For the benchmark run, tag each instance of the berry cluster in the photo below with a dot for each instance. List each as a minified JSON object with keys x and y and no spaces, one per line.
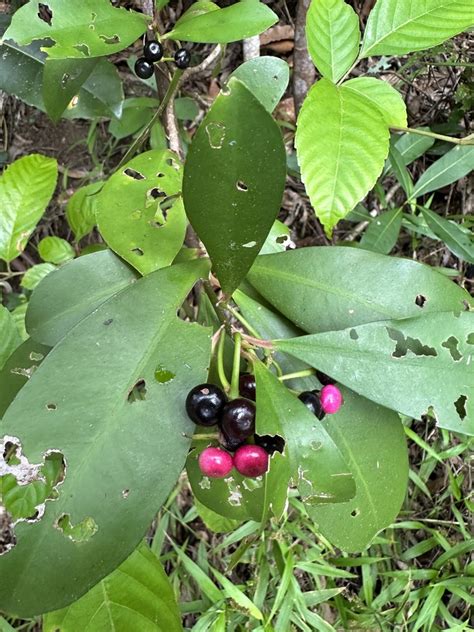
{"x":152,"y":53}
{"x":207,"y":405}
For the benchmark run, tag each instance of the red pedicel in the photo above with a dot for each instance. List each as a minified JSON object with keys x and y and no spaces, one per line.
{"x":331,"y":399}
{"x":215,"y":463}
{"x":251,"y":460}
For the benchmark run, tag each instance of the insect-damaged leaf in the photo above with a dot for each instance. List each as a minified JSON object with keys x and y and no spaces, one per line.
{"x":233,"y":181}
{"x":122,"y":453}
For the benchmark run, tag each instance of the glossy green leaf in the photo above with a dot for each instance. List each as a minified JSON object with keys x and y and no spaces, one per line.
{"x":460,"y":242}
{"x":214,"y":521}
{"x":372,"y":441}
{"x":382,"y":96}
{"x":342,"y":141}
{"x":62,"y":80}
{"x":140,"y":213}
{"x":74,"y":291}
{"x":397,"y":28}
{"x":136,"y":596}
{"x":412,"y":146}
{"x":26,"y":188}
{"x":18,"y":315}
{"x":18,"y":369}
{"x":333,"y":35}
{"x":267,"y":79}
{"x":35,"y":274}
{"x":94,"y":29}
{"x":278,"y":239}
{"x":329,"y":288}
{"x":80,"y":210}
{"x":382,"y":233}
{"x":201,"y":7}
{"x":239,"y":21}
{"x":234,"y":178}
{"x":137,"y":113}
{"x":122,"y":455}
{"x":413,"y":366}
{"x":55,"y":250}
{"x":455,"y":164}
{"x":9,"y":336}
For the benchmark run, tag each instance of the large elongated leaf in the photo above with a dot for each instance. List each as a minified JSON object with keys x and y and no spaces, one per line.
{"x":25,"y":190}
{"x":398,"y":27}
{"x":137,"y":596}
{"x":460,"y":243}
{"x":412,"y":366}
{"x":122,"y":453}
{"x":324,"y":289}
{"x":332,"y":31}
{"x":382,"y":96}
{"x":342,"y":142}
{"x":62,"y":79}
{"x":372,"y":440}
{"x":233,"y":181}
{"x":240,"y":20}
{"x":266,"y":77}
{"x":64,"y":298}
{"x":382,"y":233}
{"x":140,"y":213}
{"x":9,"y":336}
{"x":94,"y":29}
{"x":455,"y":164}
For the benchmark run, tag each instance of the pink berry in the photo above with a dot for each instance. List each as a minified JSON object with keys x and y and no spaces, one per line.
{"x":215,"y":462}
{"x":251,"y":460}
{"x":331,"y":399}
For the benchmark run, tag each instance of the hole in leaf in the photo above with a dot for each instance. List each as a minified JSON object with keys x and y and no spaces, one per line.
{"x":131,"y":173}
{"x":225,"y":90}
{"x":460,"y":405}
{"x":138,"y":392}
{"x":216,"y":134}
{"x":114,"y":39}
{"x":155,"y":193}
{"x":355,"y":513}
{"x":241,"y":186}
{"x":125,"y":493}
{"x":45,"y":13}
{"x":163,"y":375}
{"x":82,"y":532}
{"x":83,"y":48}
{"x":172,"y":163}
{"x":7,"y":536}
{"x":281,"y":239}
{"x":250,"y":244}
{"x":65,"y":79}
{"x":470,"y":339}
{"x":51,"y":407}
{"x":108,"y":322}
{"x":316,"y":445}
{"x":93,"y":16}
{"x":408,"y":344}
{"x":353,"y":334}
{"x":160,"y":175}
{"x":420,"y":300}
{"x":36,"y":357}
{"x":452,"y":345}
{"x":138,"y":251}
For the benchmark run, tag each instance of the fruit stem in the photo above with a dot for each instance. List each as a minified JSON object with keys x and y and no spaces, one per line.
{"x":234,"y":387}
{"x":205,"y":437}
{"x":294,"y":376}
{"x":243,"y":321}
{"x":220,"y":363}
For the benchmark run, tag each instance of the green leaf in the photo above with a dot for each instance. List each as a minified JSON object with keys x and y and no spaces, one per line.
{"x":267,"y":79}
{"x":122,"y":456}
{"x":26,"y":188}
{"x":382,"y":233}
{"x":234,"y":178}
{"x":413,"y":366}
{"x":73,"y":292}
{"x":137,"y":113}
{"x":80,"y":210}
{"x":62,"y":80}
{"x":136,"y":596}
{"x":397,"y":28}
{"x":140,"y":213}
{"x":94,"y":29}
{"x":455,"y":164}
{"x":9,"y":336}
{"x":55,"y":250}
{"x":332,"y":31}
{"x":237,"y":596}
{"x":201,"y":7}
{"x":372,"y":441}
{"x":35,"y":274}
{"x":383,"y":96}
{"x":278,"y":239}
{"x":329,"y":288}
{"x":239,"y":21}
{"x":457,"y":240}
{"x":412,"y":146}
{"x":397,"y":163}
{"x":342,"y":141}
{"x":214,"y":521}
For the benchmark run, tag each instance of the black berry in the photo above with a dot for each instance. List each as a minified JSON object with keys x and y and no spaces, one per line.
{"x":312,"y":402}
{"x":324,"y":379}
{"x":182,"y":58}
{"x":205,"y":403}
{"x":143,"y":68}
{"x":238,"y":419}
{"x":153,"y":51}
{"x":270,"y":444}
{"x":247,"y":386}
{"x":230,"y":444}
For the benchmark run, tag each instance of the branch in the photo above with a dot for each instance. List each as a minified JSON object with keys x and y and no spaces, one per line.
{"x":304,"y":72}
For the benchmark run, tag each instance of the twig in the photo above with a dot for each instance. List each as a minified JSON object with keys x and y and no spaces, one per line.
{"x":467,"y":140}
{"x":304,"y":72}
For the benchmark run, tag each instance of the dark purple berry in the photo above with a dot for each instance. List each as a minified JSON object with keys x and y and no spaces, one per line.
{"x":153,"y":51}
{"x":143,"y":68}
{"x":324,"y":379}
{"x":270,"y":444}
{"x":182,"y":58}
{"x":229,"y":444}
{"x":312,"y":402}
{"x":238,"y":419}
{"x":247,"y":386}
{"x":205,"y":403}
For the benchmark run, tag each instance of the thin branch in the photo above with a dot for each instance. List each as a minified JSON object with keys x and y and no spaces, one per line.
{"x":304,"y":72}
{"x":467,"y":140}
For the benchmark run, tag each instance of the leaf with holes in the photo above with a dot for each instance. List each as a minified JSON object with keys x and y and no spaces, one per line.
{"x":123,"y":453}
{"x":55,"y":250}
{"x":73,"y":292}
{"x":140,"y":213}
{"x":455,"y":164}
{"x":332,"y":31}
{"x":267,"y":79}
{"x":234,"y":178}
{"x":26,"y":188}
{"x":397,"y":28}
{"x":414,"y":366}
{"x":342,"y":142}
{"x":382,"y":96}
{"x":80,"y":210}
{"x":9,"y":336}
{"x":382,"y":233}
{"x":309,"y":286}
{"x":239,"y":21}
{"x":94,"y":29}
{"x":62,"y":80}
{"x":137,"y":596}
{"x":372,"y":441}
{"x":459,"y":241}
